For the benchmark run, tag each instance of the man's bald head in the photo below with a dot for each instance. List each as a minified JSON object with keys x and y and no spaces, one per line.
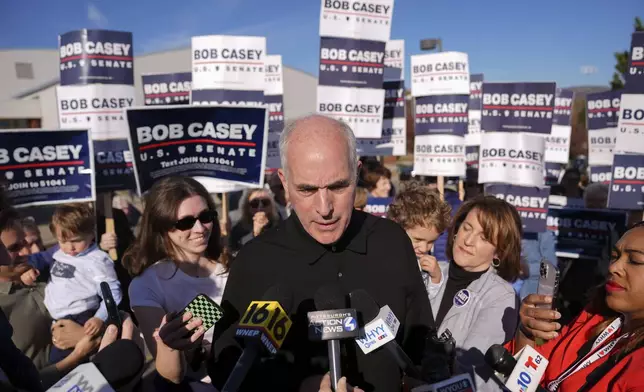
{"x":310,"y":131}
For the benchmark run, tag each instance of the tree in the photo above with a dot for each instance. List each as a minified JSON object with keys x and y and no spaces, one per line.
{"x":622,"y":62}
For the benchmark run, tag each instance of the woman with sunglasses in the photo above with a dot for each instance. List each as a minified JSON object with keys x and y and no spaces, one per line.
{"x":258,"y":214}
{"x":177,"y":255}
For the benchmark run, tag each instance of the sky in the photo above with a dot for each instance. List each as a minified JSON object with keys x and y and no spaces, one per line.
{"x":570,"y":42}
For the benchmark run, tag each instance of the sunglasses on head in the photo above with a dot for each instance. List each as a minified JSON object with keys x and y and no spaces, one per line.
{"x":17,"y":247}
{"x":259,"y":202}
{"x":188,"y":222}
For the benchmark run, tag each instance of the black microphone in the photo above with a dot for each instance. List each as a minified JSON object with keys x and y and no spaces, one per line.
{"x":263,"y":328}
{"x":380,"y":330}
{"x":332,"y":322}
{"x":520,"y":373}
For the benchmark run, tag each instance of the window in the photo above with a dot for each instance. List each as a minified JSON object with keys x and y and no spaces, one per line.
{"x":24,"y":71}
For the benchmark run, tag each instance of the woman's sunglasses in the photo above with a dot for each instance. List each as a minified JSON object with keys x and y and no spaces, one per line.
{"x":188,"y":222}
{"x":259,"y":202}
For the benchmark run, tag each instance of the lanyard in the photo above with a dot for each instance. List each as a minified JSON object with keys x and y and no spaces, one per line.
{"x":594,"y":355}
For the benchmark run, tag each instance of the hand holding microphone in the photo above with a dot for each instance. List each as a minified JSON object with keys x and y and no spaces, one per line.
{"x":521,"y":373}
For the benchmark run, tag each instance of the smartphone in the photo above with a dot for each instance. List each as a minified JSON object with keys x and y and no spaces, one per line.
{"x":206,"y":309}
{"x":548,"y":281}
{"x":113,"y":315}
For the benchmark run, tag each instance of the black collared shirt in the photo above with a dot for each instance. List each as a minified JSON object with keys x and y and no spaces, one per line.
{"x":374,"y":254}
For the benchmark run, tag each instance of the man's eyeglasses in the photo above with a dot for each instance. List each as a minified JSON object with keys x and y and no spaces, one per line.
{"x":17,"y":247}
{"x":188,"y":222}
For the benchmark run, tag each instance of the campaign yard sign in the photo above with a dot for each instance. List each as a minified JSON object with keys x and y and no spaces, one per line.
{"x":558,"y":144}
{"x":530,"y":202}
{"x":378,"y":206}
{"x":440,"y":73}
{"x":563,"y":107}
{"x":602,"y":109}
{"x":167,"y":89}
{"x":630,"y":127}
{"x":627,"y":184}
{"x":393,"y":141}
{"x":601,"y":174}
{"x":96,"y":56}
{"x":473,"y":135}
{"x":472,"y":157}
{"x":274,"y":75}
{"x":476,"y":91}
{"x":221,"y":142}
{"x":518,"y":107}
{"x":442,"y":115}
{"x":584,"y":230}
{"x":601,"y":143}
{"x":635,"y":75}
{"x":223,"y":62}
{"x":512,"y":158}
{"x":362,"y":109}
{"x":439,"y":155}
{"x":97,"y":107}
{"x":553,"y":171}
{"x":395,"y":60}
{"x":227,"y":97}
{"x":113,"y":165}
{"x":351,"y":63}
{"x":356,"y":19}
{"x":47,"y":166}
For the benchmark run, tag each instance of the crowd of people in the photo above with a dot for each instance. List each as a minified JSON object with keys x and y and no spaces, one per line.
{"x":440,"y":263}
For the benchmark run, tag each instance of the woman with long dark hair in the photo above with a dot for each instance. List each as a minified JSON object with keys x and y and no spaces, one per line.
{"x":601,"y":350}
{"x":177,"y":255}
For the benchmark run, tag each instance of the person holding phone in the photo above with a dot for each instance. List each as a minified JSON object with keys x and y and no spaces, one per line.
{"x":177,"y":256}
{"x":601,"y":349}
{"x":474,"y":298}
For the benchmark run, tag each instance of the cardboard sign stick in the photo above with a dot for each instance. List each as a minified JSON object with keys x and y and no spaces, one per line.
{"x":109,"y":219}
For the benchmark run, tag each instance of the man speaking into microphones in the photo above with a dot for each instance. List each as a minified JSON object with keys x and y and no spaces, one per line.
{"x":324,"y":241}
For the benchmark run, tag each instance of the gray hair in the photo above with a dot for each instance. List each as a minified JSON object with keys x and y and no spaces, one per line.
{"x":291,"y":126}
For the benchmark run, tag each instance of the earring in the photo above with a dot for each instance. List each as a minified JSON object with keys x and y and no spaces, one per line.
{"x":496,"y":263}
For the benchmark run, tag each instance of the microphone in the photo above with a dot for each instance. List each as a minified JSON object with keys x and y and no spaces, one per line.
{"x":521,"y":373}
{"x":460,"y":383}
{"x":380,"y":330}
{"x":332,"y":322}
{"x":118,"y":367}
{"x":263,"y":328}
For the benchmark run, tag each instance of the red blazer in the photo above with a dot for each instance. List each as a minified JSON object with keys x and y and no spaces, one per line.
{"x":627,"y":375}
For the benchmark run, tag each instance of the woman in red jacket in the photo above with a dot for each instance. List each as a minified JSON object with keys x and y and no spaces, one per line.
{"x":602,"y":349}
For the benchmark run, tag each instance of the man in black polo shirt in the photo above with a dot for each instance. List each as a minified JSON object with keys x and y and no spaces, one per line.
{"x":324,"y":241}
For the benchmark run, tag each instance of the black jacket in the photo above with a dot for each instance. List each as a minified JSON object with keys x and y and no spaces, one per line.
{"x":374,"y":254}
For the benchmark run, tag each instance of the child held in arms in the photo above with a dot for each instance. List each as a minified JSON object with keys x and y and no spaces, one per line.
{"x":73,"y":290}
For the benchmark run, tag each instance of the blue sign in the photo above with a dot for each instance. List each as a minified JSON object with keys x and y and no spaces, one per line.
{"x":167,"y":89}
{"x":227,"y":97}
{"x":96,"y":56}
{"x":351,"y":63}
{"x":518,"y":107}
{"x":585,"y":230}
{"x":635,"y":74}
{"x":530,"y":202}
{"x":113,"y":166}
{"x":472,"y":157}
{"x":627,"y":185}
{"x":275,"y":105}
{"x":46,"y":167}
{"x":600,"y":174}
{"x":553,"y":172}
{"x":394,"y":99}
{"x":563,"y":107}
{"x":226,"y":143}
{"x":602,"y":109}
{"x":442,"y":115}
{"x":476,"y":91}
{"x":378,"y":206}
